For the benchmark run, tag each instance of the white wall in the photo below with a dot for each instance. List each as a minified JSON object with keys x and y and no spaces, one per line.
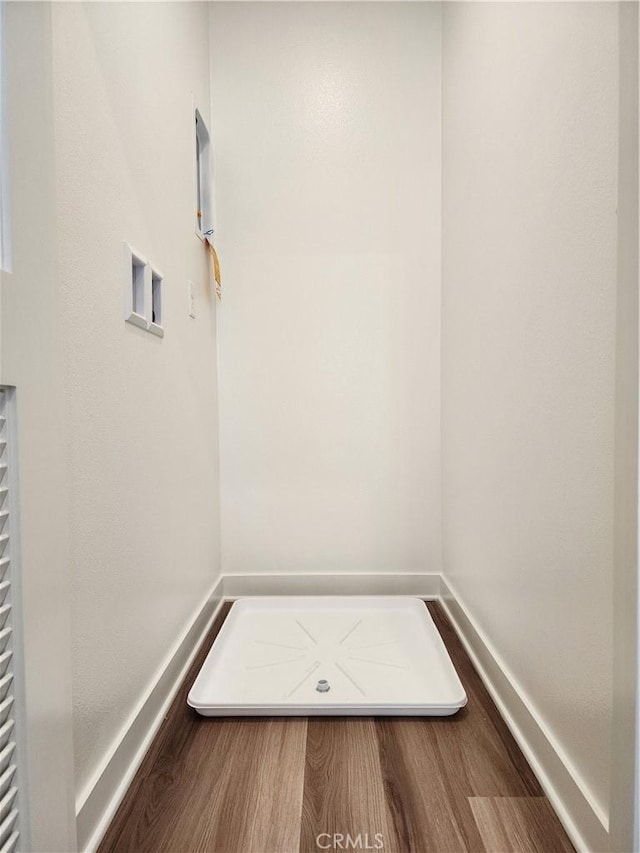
{"x":529,"y":294}
{"x":32,"y":360}
{"x":326,"y":129}
{"x":141,"y":411}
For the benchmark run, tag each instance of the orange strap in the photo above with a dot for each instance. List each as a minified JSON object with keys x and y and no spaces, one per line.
{"x":215,"y":265}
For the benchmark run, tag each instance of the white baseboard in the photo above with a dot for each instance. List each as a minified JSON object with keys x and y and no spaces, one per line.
{"x":97,"y":805}
{"x":421,"y":585}
{"x":580,"y":815}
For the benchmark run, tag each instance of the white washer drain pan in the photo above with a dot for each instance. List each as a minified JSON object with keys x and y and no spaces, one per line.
{"x":376,"y":655}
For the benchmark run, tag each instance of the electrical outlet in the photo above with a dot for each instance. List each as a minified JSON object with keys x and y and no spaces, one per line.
{"x":192,"y":300}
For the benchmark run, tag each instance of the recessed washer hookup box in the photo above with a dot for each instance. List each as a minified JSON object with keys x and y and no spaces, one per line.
{"x":328,"y":655}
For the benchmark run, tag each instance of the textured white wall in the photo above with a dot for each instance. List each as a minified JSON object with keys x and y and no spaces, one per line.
{"x":529,"y":274}
{"x":141,"y":411}
{"x":326,"y":128}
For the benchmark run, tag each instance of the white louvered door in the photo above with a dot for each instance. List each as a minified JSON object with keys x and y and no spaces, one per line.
{"x":12,"y":748}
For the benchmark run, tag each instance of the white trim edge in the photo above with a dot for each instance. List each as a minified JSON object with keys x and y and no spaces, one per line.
{"x":421,"y":585}
{"x":579,"y":814}
{"x":98,"y":803}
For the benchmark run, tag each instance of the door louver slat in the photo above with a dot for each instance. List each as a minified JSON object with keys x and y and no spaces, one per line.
{"x":7,"y":802}
{"x":6,"y":780}
{"x":8,"y":825}
{"x":5,"y":732}
{"x":11,"y":844}
{"x":5,"y":685}
{"x":5,"y":636}
{"x":5,"y":660}
{"x":6,"y":755}
{"x":5,"y":709}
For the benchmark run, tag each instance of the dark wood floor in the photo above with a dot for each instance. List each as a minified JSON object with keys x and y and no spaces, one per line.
{"x":286,"y":784}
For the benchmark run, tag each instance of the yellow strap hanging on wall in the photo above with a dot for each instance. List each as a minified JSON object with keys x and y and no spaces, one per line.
{"x":215,"y":267}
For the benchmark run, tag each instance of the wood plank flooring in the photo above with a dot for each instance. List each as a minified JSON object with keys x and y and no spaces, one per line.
{"x":400,"y":785}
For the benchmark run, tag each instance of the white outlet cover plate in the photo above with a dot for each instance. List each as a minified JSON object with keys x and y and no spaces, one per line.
{"x":381,"y":655}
